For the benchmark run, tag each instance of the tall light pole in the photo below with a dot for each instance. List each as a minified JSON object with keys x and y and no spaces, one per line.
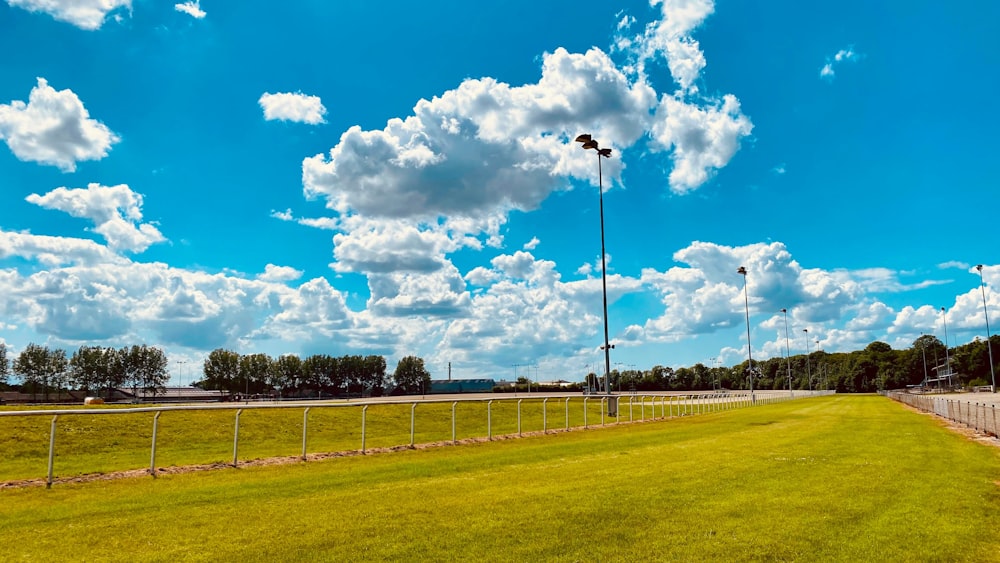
{"x":947,"y":356}
{"x":788,"y":352}
{"x":180,"y":376}
{"x":590,"y":143}
{"x":808,"y":351}
{"x":989,"y":348}
{"x":746,"y":303}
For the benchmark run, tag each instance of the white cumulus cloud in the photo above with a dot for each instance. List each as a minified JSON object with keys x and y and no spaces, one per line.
{"x":298,"y":107}
{"x":192,"y":9}
{"x":85,"y":14}
{"x":116,"y":212}
{"x":54,"y":128}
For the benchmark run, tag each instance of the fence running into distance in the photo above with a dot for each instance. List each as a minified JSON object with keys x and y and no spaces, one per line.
{"x":629,"y":408}
{"x":981,"y":417}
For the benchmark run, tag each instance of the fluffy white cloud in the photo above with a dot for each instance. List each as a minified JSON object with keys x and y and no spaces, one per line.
{"x":485,"y":146}
{"x":116,"y":212}
{"x":440,"y":294}
{"x":54,"y":251}
{"x":53,"y":128}
{"x":844,"y":55}
{"x":274,"y":273}
{"x":286,"y":106}
{"x":192,"y":9}
{"x":85,"y":14}
{"x":703,"y":138}
{"x":670,"y":37}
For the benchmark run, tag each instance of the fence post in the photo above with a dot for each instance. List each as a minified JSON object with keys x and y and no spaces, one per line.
{"x":364,"y":419}
{"x":585,"y":400}
{"x":305,"y":429}
{"x":152,"y":454}
{"x":630,"y":418}
{"x":567,"y":413}
{"x":489,"y":419}
{"x":603,"y":401}
{"x":413,"y":421}
{"x":236,"y":436}
{"x":453,"y":435}
{"x":52,"y":450}
{"x":519,"y":416}
{"x":545,"y":415}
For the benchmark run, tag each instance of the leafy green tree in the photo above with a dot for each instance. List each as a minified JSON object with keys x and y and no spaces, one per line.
{"x":411,"y":377}
{"x":153,"y":376}
{"x":88,"y":368}
{"x":286,"y":373}
{"x":254,"y":372}
{"x":373,"y":375}
{"x":40,"y":367}
{"x":4,"y":366}
{"x":222,"y":370}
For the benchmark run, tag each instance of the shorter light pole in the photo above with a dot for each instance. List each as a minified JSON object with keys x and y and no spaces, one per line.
{"x":808,"y":351}
{"x":989,"y":347}
{"x":788,"y":352}
{"x":746,"y":301}
{"x":923,"y":352}
{"x":947,"y":355}
{"x":713,"y":373}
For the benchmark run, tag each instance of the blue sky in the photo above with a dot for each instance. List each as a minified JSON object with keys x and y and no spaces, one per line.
{"x":401,"y":178}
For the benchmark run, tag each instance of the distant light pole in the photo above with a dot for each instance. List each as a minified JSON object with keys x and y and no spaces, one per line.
{"x":989,"y":347}
{"x":808,"y":351}
{"x":788,"y":352}
{"x":923,"y":352}
{"x":180,"y":375}
{"x":590,"y":143}
{"x":713,"y":373}
{"x":746,"y":303}
{"x":947,"y":356}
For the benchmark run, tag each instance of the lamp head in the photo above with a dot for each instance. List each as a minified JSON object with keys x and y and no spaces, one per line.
{"x":979,"y":267}
{"x":590,"y":144}
{"x":784,"y":310}
{"x":742,"y":270}
{"x":583,"y":138}
{"x":604,"y":152}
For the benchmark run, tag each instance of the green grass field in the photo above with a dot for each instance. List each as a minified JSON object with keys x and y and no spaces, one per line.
{"x":842,"y":478}
{"x":89,"y":444}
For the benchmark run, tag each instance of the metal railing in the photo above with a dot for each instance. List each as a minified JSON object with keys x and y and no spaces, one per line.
{"x":669,"y":406}
{"x":981,"y":417}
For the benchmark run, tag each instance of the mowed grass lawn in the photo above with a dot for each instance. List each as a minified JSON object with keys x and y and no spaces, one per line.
{"x":840,"y":478}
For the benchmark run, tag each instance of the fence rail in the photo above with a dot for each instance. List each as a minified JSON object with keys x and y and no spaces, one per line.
{"x":981,"y":417}
{"x":635,"y":407}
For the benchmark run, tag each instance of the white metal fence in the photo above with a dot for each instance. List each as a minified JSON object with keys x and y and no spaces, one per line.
{"x":980,"y":416}
{"x":613,"y":409}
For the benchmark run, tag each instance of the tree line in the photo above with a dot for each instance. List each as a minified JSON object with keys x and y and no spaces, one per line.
{"x":91,"y":369}
{"x":318,"y":375}
{"x":98,"y":370}
{"x":875,"y":368}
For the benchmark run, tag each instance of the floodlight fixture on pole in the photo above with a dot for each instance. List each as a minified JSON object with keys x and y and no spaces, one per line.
{"x":947,"y":355}
{"x":808,"y":351}
{"x":788,"y":353}
{"x":746,"y":302}
{"x":590,"y":143}
{"x":989,"y":347}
